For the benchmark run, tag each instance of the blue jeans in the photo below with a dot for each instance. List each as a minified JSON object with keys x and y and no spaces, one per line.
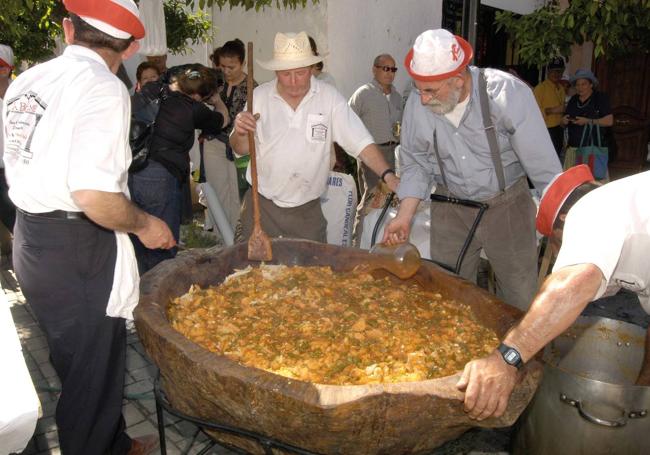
{"x":156,"y":191}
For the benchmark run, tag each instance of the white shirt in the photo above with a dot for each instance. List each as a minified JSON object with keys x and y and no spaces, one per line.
{"x":66,"y":129}
{"x":610,"y":228}
{"x":293,"y":147}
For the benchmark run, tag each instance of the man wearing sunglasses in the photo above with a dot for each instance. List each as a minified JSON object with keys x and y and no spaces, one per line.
{"x":379,"y":106}
{"x":473,"y":134}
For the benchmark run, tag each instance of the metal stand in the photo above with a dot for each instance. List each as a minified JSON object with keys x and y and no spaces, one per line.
{"x":482,"y":207}
{"x":267,"y":444}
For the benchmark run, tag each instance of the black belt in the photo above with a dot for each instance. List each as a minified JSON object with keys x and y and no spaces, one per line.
{"x":56,"y":215}
{"x":390,"y":143}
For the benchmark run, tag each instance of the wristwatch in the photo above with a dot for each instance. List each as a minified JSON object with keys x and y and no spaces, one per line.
{"x":511,"y":356}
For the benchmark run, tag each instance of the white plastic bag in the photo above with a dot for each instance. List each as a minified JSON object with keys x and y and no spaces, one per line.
{"x":339,"y":207}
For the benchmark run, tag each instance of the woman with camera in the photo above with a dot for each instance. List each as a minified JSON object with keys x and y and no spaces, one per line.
{"x":157,"y":189}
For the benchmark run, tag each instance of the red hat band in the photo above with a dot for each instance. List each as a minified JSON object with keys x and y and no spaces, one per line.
{"x":557,"y":193}
{"x":109,"y":12}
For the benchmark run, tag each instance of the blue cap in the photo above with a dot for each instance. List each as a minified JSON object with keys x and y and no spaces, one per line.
{"x":584,"y":74}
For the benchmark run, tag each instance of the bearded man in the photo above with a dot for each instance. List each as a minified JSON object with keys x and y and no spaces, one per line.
{"x":474,"y":134}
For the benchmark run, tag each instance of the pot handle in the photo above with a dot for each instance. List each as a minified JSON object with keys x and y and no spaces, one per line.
{"x":597,"y":420}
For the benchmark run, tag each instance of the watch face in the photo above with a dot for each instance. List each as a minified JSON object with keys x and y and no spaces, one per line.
{"x":511,"y":356}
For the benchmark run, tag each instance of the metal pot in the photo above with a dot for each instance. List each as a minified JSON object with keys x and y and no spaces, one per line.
{"x":587,"y":402}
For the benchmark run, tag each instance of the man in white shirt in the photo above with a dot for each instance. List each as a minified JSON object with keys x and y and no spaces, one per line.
{"x":297,"y":119}
{"x":605,"y":243}
{"x":66,"y":149}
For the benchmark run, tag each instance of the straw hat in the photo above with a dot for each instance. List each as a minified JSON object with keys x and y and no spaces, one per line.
{"x":290,"y":51}
{"x":117,"y":18}
{"x":557,"y":192}
{"x":437,"y":55}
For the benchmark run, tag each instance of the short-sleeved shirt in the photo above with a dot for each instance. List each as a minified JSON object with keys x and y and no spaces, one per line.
{"x":610,"y":228}
{"x":67,"y":125}
{"x":549,"y":95}
{"x":523,"y":141}
{"x":67,"y":129}
{"x":293,"y":147}
{"x":596,"y":106}
{"x":377,"y":110}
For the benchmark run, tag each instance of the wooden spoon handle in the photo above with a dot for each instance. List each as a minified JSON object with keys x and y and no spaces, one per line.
{"x":251,"y":141}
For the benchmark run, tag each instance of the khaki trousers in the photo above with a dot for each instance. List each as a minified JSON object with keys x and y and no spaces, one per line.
{"x":506,"y":234}
{"x":221,"y":174}
{"x":303,"y":222}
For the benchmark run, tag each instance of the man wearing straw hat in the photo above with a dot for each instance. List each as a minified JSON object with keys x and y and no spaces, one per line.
{"x":67,"y":155}
{"x":474,"y":134}
{"x":587,"y":267}
{"x":297,"y":119}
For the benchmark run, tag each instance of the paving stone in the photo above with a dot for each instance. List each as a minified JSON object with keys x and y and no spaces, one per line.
{"x":47,"y":441}
{"x":41,"y":355}
{"x":132,"y":414}
{"x":143,"y":428}
{"x":138,"y":388}
{"x":35,"y":343}
{"x":186,"y":428}
{"x":45,"y":425}
{"x":47,"y":369}
{"x":134,"y":360}
{"x":148,"y":372}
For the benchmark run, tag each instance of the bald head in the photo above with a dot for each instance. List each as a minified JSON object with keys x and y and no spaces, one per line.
{"x":383,"y":69}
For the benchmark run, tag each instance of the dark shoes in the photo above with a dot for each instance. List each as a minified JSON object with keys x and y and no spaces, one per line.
{"x":144,"y":445}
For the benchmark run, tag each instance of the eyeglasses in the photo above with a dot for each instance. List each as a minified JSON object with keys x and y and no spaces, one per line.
{"x":385,"y":69}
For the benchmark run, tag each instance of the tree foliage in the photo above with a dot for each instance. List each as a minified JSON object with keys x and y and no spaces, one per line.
{"x":615,"y":27}
{"x":183,"y":27}
{"x":30,"y":27}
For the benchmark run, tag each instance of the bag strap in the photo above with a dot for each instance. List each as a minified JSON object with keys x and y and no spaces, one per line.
{"x":598,"y":139}
{"x":586,"y":133}
{"x":490,"y":130}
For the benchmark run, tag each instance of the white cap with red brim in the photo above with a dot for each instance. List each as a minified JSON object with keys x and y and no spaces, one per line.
{"x":117,"y":18}
{"x":437,"y":55}
{"x":557,"y":193}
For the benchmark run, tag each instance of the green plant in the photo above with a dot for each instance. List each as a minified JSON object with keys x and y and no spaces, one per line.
{"x":615,"y":27}
{"x":184,"y":27}
{"x":30,"y":27}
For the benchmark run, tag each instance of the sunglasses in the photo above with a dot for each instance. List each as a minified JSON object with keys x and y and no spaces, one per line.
{"x":385,"y":69}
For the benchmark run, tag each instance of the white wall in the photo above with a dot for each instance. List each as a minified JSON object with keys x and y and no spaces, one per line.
{"x":350,"y":32}
{"x":261,"y":27}
{"x":359,"y":30}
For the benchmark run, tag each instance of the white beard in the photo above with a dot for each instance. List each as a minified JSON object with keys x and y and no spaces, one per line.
{"x":445,"y":107}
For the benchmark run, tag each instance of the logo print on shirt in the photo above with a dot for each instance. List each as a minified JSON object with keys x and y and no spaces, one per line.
{"x":23,"y":114}
{"x":319,"y":132}
{"x":455,"y":52}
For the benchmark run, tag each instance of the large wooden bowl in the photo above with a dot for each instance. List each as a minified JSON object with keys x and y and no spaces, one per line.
{"x":401,"y":418}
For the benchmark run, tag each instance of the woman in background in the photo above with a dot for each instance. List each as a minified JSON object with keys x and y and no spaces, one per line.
{"x":157,"y":189}
{"x":587,"y":107}
{"x":220,"y":163}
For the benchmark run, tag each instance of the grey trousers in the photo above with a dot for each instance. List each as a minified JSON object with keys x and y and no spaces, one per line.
{"x":367,"y":181}
{"x":506,"y":234}
{"x":303,"y":222}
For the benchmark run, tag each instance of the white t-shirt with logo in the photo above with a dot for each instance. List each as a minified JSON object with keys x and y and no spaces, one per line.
{"x":293,"y":147}
{"x":610,"y":228}
{"x":66,"y":129}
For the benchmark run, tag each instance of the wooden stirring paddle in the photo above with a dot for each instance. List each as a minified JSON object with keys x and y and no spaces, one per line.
{"x":259,"y":244}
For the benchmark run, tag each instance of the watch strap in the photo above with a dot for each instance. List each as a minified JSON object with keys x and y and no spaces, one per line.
{"x":511,"y":356}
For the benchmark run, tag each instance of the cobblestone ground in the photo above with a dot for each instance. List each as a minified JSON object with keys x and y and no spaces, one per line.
{"x":183,"y":437}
